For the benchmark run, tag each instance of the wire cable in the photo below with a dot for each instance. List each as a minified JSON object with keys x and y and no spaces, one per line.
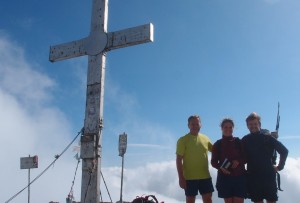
{"x":101,"y":200}
{"x":87,"y":187}
{"x":106,"y":187}
{"x":71,"y":190}
{"x":56,"y":158}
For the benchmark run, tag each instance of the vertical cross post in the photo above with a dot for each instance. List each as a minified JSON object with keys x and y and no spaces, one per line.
{"x":93,"y":123}
{"x":95,"y":46}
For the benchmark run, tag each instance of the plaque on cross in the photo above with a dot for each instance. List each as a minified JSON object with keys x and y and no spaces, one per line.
{"x":95,"y":47}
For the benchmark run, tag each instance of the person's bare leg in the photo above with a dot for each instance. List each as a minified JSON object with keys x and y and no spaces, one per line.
{"x":206,"y":198}
{"x":238,"y":200}
{"x":190,"y":199}
{"x":228,"y":200}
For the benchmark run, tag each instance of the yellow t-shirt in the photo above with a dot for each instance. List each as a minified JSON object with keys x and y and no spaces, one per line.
{"x":194,"y":150}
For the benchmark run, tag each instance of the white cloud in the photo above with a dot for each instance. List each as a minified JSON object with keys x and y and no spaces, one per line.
{"x":160,"y":179}
{"x":18,"y":78}
{"x":124,"y":103}
{"x":292,"y":137}
{"x":29,"y":126}
{"x":147,"y":141}
{"x":290,"y":181}
{"x":146,"y":145}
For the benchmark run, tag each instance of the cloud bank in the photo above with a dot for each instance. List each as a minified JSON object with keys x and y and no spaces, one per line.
{"x":29,"y":125}
{"x":161,"y":180}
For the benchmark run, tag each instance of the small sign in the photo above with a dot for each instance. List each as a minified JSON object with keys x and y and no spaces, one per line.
{"x":122,"y":144}
{"x":29,"y":162}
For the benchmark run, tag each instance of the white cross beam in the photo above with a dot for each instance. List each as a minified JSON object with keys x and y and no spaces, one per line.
{"x":113,"y":40}
{"x":95,"y":46}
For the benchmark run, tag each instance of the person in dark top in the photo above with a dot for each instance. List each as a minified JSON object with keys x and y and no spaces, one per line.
{"x":258,"y":149}
{"x":227,"y":158}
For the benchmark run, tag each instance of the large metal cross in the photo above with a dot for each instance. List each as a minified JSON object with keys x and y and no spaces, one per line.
{"x":95,"y":46}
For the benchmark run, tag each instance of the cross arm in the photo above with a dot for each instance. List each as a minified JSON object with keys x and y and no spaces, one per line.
{"x":129,"y":37}
{"x":68,"y":50}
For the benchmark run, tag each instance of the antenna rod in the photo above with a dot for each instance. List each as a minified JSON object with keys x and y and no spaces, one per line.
{"x":278,"y":118}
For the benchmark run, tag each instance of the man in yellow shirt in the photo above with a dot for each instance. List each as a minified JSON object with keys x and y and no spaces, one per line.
{"x":192,"y":163}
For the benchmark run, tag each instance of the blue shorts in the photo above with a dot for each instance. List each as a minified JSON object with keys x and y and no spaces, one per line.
{"x":231,"y":186}
{"x":202,"y":185}
{"x":262,"y":187}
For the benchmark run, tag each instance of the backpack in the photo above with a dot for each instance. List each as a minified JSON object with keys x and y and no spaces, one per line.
{"x":272,"y":152}
{"x":266,"y":143}
{"x":146,"y":199}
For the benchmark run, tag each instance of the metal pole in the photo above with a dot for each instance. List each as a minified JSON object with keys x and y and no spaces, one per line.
{"x":29,"y":184}
{"x":121,"y":200}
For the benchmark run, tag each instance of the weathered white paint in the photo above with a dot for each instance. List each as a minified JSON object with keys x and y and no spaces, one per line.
{"x":95,"y":46}
{"x":131,"y":36}
{"x":68,"y":50}
{"x":102,"y":42}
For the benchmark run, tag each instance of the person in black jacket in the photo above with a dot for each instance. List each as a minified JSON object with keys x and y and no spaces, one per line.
{"x":258,"y":149}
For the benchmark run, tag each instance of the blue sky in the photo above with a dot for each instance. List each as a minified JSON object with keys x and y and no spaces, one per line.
{"x":213,"y":58}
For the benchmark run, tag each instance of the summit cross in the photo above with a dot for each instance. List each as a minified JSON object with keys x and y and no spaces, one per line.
{"x":95,"y":46}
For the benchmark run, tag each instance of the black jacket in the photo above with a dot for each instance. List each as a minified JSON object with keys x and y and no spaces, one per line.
{"x":258,"y":150}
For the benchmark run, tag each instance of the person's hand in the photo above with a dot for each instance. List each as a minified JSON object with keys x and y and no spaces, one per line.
{"x":235,"y":163}
{"x":275,"y":169}
{"x":182,"y":183}
{"x":225,"y":171}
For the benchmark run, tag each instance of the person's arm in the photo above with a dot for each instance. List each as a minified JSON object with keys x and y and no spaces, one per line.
{"x":240,"y":159}
{"x":179,"y":166}
{"x":210,"y":146}
{"x":215,"y":157}
{"x":243,"y":151}
{"x":283,"y":152}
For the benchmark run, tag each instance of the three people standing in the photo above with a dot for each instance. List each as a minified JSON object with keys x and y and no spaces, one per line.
{"x":229,"y":155}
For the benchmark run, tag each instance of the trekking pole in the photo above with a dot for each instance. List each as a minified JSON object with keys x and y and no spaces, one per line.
{"x":275,"y":133}
{"x":278,"y":118}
